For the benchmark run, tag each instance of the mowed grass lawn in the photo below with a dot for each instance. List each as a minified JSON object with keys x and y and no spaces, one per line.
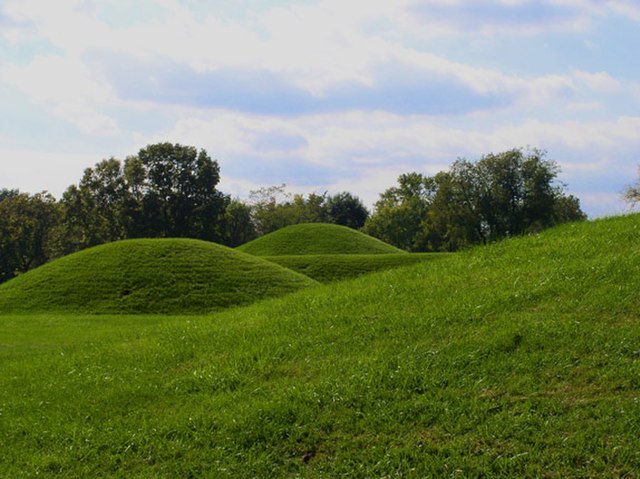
{"x":516,"y":359}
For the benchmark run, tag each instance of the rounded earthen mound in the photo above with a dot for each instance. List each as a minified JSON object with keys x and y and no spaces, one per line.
{"x":316,"y":238}
{"x":149,"y":276}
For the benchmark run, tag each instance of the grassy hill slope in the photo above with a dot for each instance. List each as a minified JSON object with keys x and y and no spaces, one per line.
{"x":316,"y":238}
{"x":521,"y":359}
{"x":326,"y":268}
{"x":149,"y":276}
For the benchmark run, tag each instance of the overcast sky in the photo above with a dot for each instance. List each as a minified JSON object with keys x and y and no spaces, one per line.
{"x":323,"y":95}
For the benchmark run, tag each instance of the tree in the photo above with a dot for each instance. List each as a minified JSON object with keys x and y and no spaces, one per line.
{"x":95,"y":211}
{"x":453,"y":221}
{"x":346,"y":210}
{"x":632,"y":193}
{"x":401,"y":211}
{"x":239,"y":227}
{"x":267,"y":208}
{"x":176,"y":189}
{"x":6,"y":193}
{"x":520,"y":194}
{"x":307,"y":210}
{"x":567,"y":209}
{"x":26,"y":226}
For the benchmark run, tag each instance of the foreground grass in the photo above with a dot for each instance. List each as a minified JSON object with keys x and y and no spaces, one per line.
{"x":519,"y":359}
{"x":149,"y":276}
{"x":326,"y":268}
{"x":314,"y":239}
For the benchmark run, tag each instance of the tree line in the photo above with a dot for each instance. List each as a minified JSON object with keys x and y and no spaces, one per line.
{"x":508,"y":194}
{"x":170,"y":190}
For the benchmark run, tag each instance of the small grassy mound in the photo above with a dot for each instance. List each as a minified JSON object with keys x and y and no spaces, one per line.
{"x":149,"y":276}
{"x":316,"y":238}
{"x":326,"y":268}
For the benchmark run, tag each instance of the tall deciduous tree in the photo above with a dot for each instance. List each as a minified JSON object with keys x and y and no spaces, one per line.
{"x":26,"y":225}
{"x":95,"y":211}
{"x":239,"y":227}
{"x":401,"y":211}
{"x":307,"y":210}
{"x":176,"y":186}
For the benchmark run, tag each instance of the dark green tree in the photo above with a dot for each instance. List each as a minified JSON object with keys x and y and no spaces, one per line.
{"x":519,"y":193}
{"x":307,"y":210}
{"x":273,"y":208}
{"x":95,"y":211}
{"x":346,"y":210}
{"x":239,"y":227}
{"x":7,"y":193}
{"x":453,"y":221}
{"x":401,"y":212}
{"x":567,"y":209}
{"x":176,"y":189}
{"x":26,"y":226}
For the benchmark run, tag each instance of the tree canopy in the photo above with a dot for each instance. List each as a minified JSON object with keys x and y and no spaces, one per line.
{"x":501,"y":195}
{"x":27,"y":227}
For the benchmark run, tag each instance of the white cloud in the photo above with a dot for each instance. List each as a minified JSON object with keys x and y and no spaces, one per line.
{"x":622,"y":134}
{"x":66,"y":87}
{"x":317,"y":47}
{"x":599,"y":81}
{"x":433,"y":18}
{"x":628,"y":8}
{"x":62,"y":23}
{"x":229,"y":134}
{"x":34,"y":171}
{"x":585,"y":106}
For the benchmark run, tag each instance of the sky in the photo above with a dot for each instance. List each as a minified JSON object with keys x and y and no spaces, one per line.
{"x":322,"y":95}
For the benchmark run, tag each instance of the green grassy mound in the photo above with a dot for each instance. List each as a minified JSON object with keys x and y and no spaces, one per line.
{"x":149,"y":276}
{"x":521,"y":359}
{"x":326,"y":268}
{"x":316,"y":238}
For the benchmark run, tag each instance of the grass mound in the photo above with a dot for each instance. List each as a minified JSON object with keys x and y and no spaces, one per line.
{"x":149,"y":276}
{"x":316,"y":238}
{"x":327,"y":268}
{"x":520,"y":359}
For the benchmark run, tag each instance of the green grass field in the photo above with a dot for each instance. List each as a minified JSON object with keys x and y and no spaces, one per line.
{"x":149,"y":276}
{"x":520,"y":359}
{"x":326,"y":268}
{"x":316,"y":238}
